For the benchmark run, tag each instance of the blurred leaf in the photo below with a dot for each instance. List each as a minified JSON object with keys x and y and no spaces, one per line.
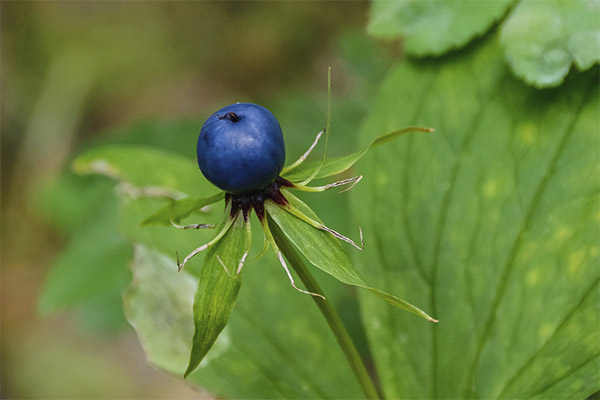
{"x":177,"y":136}
{"x":155,"y":173}
{"x":543,"y":39}
{"x":69,"y":200}
{"x":217,"y":289}
{"x":432,"y":27}
{"x":179,"y":209}
{"x":324,"y":251}
{"x":492,"y":224}
{"x":91,"y":273}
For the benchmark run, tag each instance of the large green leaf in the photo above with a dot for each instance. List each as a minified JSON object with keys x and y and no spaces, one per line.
{"x":325,"y":252}
{"x":491,"y":223}
{"x":432,"y":27}
{"x":542,"y":39}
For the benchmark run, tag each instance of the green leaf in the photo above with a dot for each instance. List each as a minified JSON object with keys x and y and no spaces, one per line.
{"x":324,"y":251}
{"x":179,"y":209}
{"x":492,"y":224}
{"x":151,"y":172}
{"x":542,"y":39}
{"x":337,"y":165}
{"x":432,"y":27}
{"x":217,"y":290}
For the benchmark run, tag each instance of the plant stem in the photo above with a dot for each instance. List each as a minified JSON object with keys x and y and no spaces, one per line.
{"x":331,"y":316}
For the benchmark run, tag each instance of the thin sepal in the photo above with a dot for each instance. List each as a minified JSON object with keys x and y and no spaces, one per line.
{"x":279,"y":255}
{"x":264,"y":249}
{"x":317,"y":224}
{"x":193,"y":226}
{"x":304,"y":156}
{"x":226,"y":224}
{"x":353,"y":181}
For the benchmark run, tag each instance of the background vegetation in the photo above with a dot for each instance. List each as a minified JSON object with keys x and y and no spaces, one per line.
{"x":490,"y":224}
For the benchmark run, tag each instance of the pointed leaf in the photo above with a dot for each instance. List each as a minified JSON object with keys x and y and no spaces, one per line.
{"x":179,"y":209}
{"x":324,"y":251}
{"x":337,"y":165}
{"x":217,"y":290}
{"x":170,"y":176}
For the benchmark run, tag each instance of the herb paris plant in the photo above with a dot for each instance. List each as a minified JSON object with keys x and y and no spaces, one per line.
{"x":240,"y":150}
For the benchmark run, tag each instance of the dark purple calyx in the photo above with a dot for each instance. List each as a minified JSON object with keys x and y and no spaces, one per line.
{"x":255,"y":200}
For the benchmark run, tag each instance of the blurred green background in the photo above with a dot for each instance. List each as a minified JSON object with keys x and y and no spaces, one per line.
{"x":72,"y":71}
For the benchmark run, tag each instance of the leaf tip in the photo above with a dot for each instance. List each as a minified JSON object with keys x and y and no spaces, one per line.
{"x":188,"y":371}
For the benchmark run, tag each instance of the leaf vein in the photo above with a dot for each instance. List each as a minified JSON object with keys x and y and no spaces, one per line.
{"x":565,"y":320}
{"x":510,"y":261}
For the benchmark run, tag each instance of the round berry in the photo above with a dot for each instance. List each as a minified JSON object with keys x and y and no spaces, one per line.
{"x":240,"y":148}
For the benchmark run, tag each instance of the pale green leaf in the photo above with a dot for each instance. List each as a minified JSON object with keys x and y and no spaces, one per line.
{"x":324,"y":251}
{"x":160,"y":301}
{"x":491,"y":223}
{"x":432,"y":27}
{"x":542,"y":39}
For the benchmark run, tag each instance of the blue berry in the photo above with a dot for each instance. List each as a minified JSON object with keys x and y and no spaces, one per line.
{"x":240,"y":148}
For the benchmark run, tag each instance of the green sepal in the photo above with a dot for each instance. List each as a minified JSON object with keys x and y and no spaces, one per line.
{"x":217,"y":289}
{"x":176,"y":210}
{"x":325,"y":252}
{"x":337,"y":165}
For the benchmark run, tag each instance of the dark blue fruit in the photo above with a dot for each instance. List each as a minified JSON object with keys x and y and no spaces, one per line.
{"x":240,"y":148}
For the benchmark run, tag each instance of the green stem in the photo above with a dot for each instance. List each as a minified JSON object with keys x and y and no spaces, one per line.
{"x":331,"y":316}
